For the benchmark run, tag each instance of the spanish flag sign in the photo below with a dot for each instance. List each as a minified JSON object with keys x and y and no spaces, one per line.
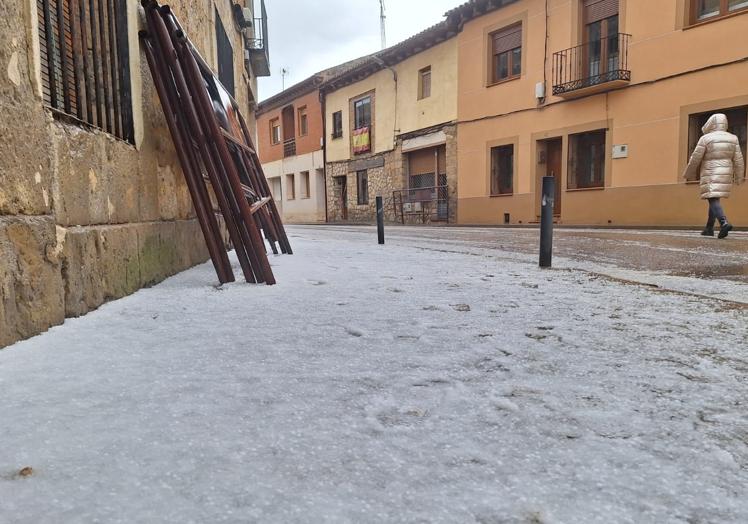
{"x":361,"y":141}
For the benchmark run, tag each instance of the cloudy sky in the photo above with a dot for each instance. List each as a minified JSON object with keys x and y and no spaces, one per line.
{"x":307,"y":36}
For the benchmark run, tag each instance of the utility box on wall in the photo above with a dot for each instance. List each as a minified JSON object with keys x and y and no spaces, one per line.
{"x":621,"y":151}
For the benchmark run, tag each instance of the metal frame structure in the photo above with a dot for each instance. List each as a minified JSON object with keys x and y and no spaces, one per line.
{"x":214,"y":145}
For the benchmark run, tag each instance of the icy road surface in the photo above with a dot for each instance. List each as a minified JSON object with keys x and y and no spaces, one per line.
{"x":382,"y":384}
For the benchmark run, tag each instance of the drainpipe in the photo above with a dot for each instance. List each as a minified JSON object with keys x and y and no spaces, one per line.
{"x":395,"y":129}
{"x":323,"y":104}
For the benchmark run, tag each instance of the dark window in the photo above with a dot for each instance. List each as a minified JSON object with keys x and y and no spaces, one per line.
{"x":737,"y":119}
{"x":506,"y":56}
{"x":502,"y":170}
{"x":85,"y":62}
{"x":362,"y":113}
{"x":337,"y":124}
{"x":587,"y":160}
{"x":424,"y":83}
{"x":225,"y":57}
{"x":303,"y":122}
{"x":275,"y":131}
{"x":702,"y":10}
{"x":290,"y":187}
{"x":362,"y":186}
{"x":304,"y":188}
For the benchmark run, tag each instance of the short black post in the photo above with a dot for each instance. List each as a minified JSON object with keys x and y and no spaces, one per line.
{"x":380,"y":220}
{"x":546,"y":221}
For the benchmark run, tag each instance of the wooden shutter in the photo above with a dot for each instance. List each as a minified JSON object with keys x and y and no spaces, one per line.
{"x":507,"y":39}
{"x":596,"y":10}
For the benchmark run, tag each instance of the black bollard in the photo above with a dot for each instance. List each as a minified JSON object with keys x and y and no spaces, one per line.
{"x":380,"y":220}
{"x":546,"y":221}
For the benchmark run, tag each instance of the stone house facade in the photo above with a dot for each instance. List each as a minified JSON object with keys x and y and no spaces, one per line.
{"x":391,"y":132}
{"x":94,"y":208}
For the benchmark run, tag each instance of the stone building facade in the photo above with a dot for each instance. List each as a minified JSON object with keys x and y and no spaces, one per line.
{"x":391,"y":133}
{"x":87,"y":217}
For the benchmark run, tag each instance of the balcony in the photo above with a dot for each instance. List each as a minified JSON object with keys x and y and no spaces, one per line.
{"x":257,"y":46}
{"x":593,"y":67}
{"x":289,"y":148}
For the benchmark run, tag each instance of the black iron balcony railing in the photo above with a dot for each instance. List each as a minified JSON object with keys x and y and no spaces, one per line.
{"x":257,"y":46}
{"x":592,"y":64}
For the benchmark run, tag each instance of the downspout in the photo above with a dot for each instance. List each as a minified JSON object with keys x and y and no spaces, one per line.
{"x":323,"y":104}
{"x":395,"y":129}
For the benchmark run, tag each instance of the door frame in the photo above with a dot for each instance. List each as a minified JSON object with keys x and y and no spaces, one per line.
{"x":542,"y":170}
{"x":343,"y":197}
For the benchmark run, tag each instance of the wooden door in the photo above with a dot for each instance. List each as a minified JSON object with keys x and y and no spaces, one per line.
{"x":553,"y":166}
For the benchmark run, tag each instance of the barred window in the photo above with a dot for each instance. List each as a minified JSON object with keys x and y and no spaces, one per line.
{"x":85,"y":62}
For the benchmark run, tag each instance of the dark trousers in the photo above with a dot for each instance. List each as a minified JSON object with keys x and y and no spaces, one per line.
{"x":715,"y":213}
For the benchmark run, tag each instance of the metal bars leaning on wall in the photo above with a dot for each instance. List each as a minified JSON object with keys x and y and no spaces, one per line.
{"x":213,"y":142}
{"x":85,"y":64}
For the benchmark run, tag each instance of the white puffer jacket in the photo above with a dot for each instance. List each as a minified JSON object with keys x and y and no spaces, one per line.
{"x":717,"y":158}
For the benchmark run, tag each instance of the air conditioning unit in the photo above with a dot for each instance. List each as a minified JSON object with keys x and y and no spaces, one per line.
{"x":242,"y":16}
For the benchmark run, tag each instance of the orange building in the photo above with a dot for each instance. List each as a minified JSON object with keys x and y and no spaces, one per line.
{"x":608,"y":96}
{"x":291,"y":142}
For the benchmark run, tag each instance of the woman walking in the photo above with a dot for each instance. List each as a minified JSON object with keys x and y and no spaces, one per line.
{"x":719,"y":161}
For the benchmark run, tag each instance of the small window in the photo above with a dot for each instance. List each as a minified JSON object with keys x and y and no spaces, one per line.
{"x":275,"y":131}
{"x":737,"y":119}
{"x":290,"y":187}
{"x":225,"y":56}
{"x":502,"y":170}
{"x":337,"y":124}
{"x":702,"y":10}
{"x":362,"y":186}
{"x":362,"y":113}
{"x":303,"y":123}
{"x":304,"y":188}
{"x":587,"y":160}
{"x":506,"y":55}
{"x":424,"y":83}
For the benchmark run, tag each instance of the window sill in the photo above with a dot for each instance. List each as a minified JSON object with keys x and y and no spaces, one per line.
{"x":713,"y":19}
{"x":692,"y":182}
{"x":577,"y":189}
{"x":506,"y":80}
{"x":334,"y":137}
{"x":305,"y":198}
{"x":501,"y":195}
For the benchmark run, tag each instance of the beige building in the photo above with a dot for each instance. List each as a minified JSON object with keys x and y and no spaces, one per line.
{"x":608,"y":96}
{"x":93,"y":204}
{"x":390,"y":132}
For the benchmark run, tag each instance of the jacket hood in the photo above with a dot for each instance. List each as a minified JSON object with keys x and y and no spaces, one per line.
{"x":716,"y":122}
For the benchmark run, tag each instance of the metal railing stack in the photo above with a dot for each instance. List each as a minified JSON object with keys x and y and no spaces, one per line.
{"x":213,"y":144}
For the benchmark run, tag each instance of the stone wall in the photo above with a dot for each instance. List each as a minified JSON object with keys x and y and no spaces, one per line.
{"x":391,"y":176}
{"x":86,"y":217}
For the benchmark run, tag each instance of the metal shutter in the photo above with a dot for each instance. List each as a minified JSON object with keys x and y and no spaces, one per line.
{"x":507,"y":39}
{"x":596,"y":10}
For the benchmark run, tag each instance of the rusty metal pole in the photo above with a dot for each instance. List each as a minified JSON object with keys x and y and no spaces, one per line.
{"x":206,"y":218}
{"x":214,"y":133}
{"x":158,"y":27}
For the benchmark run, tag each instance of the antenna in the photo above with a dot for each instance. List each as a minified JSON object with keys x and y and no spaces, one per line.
{"x":382,"y":19}
{"x":284,"y":72}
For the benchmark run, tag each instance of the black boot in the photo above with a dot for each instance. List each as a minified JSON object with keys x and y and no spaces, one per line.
{"x":724,"y":229}
{"x":708,"y":232}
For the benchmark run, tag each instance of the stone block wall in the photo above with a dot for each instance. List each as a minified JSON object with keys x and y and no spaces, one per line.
{"x":86,"y":217}
{"x":383,"y":181}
